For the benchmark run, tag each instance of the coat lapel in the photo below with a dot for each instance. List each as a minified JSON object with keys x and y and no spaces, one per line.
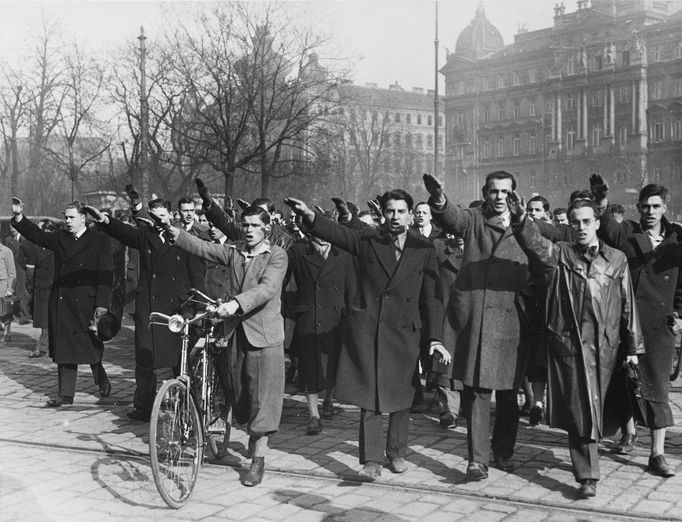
{"x":73,"y":246}
{"x":409,"y":261}
{"x":330,"y":263}
{"x":385,"y":252}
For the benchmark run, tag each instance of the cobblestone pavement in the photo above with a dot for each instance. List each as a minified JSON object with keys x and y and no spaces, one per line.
{"x":88,"y":461}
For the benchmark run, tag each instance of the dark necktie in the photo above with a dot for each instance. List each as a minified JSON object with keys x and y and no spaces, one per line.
{"x":591,"y":253}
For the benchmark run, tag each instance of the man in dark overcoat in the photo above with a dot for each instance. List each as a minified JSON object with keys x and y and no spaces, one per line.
{"x":487,"y":312}
{"x":80,"y":295}
{"x":652,"y":246}
{"x":397,"y":297}
{"x":166,"y":273}
{"x":39,"y":265}
{"x":590,"y":317}
{"x":325,"y":282}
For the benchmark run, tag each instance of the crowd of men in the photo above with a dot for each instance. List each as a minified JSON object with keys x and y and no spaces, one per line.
{"x":377,"y":307}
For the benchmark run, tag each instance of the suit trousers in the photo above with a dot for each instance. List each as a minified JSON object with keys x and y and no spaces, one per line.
{"x":584,"y":457}
{"x":145,"y":386}
{"x":476,"y":405}
{"x":371,"y":444}
{"x":67,"y":375}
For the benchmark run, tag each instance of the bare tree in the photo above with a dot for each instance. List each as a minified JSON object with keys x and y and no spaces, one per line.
{"x":13,"y":115}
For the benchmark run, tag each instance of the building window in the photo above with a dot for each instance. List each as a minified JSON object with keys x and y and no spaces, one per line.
{"x":677,"y":130}
{"x":531,"y":75}
{"x":656,"y":174}
{"x":570,"y":102}
{"x":461,"y":121}
{"x":624,"y":94}
{"x":597,"y":98}
{"x":623,"y":137}
{"x":486,"y":114}
{"x":598,"y":62}
{"x":485,"y":153}
{"x":516,"y":78}
{"x":419,"y":141}
{"x":408,"y":118}
{"x":517,"y":109}
{"x":397,"y":117}
{"x":656,"y":89}
{"x":516,"y":145}
{"x":678,"y":86}
{"x":570,"y":140}
{"x":532,"y":179}
{"x":460,"y":152}
{"x":532,"y":143}
{"x":408,"y":140}
{"x":626,"y":59}
{"x":596,"y":137}
{"x":676,"y":173}
{"x":657,"y":132}
{"x":429,"y":120}
{"x":549,"y":106}
{"x":440,"y":121}
{"x":656,"y":53}
{"x":397,"y":140}
{"x":419,"y":119}
{"x":500,"y":147}
{"x":429,"y":141}
{"x":621,"y":177}
{"x":440,"y":142}
{"x":500,"y":113}
{"x":531,"y":108}
{"x":570,"y":66}
{"x":500,"y":82}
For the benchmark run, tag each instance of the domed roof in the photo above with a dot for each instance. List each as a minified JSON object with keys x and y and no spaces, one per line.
{"x":480,"y":37}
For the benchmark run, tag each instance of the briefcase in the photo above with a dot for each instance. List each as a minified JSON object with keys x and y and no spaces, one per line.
{"x":8,"y":308}
{"x":635,"y":399}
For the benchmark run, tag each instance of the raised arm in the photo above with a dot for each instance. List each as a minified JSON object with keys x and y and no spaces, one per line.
{"x":33,"y":233}
{"x":451,"y":218}
{"x":132,"y":237}
{"x":211,"y":252}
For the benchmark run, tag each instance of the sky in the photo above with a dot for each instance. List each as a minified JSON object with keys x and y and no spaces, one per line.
{"x":386,"y":40}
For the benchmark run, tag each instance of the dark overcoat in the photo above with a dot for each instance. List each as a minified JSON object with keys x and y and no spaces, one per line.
{"x":591,"y":314}
{"x":395,"y":300}
{"x":658,"y":291}
{"x":82,"y":281}
{"x":325,"y":292}
{"x":487,"y":306}
{"x":42,"y":276}
{"x":166,"y":273}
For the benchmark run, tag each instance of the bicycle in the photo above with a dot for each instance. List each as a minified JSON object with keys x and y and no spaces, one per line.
{"x":189,"y":412}
{"x":677,"y":358}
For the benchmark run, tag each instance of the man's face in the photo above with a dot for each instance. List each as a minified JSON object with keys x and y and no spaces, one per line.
{"x":496,"y":193}
{"x":397,"y":215}
{"x":561,"y":219}
{"x":75,"y":221}
{"x":422,"y":215}
{"x":186,"y":213}
{"x":585,"y":225}
{"x":215,"y":233}
{"x":254,"y":230}
{"x":162,"y":213}
{"x":651,"y":211}
{"x":536,"y":210}
{"x":202,"y":219}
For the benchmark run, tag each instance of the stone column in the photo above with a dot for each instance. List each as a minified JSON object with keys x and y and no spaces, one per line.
{"x":558,"y":119}
{"x":612,"y":114}
{"x":583,"y":98}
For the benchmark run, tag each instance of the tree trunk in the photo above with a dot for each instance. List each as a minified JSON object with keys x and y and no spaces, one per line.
{"x":229,"y":183}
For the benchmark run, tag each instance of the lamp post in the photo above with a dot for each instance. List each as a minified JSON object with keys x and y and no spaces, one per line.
{"x":144,"y":118}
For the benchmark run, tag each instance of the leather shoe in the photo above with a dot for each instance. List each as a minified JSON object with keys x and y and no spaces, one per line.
{"x":626,"y":444}
{"x":447,"y":420}
{"x":328,"y":409}
{"x":254,"y":476}
{"x":502,"y":463}
{"x":588,"y":488}
{"x":105,"y":388}
{"x":659,"y":466}
{"x":370,"y":471}
{"x":138,"y":414}
{"x":35,"y":354}
{"x":535,"y":415}
{"x":59,"y":401}
{"x":314,"y":426}
{"x":477,"y":471}
{"x":398,"y":465}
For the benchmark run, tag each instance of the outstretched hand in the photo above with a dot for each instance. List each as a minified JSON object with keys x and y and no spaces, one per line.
{"x":133,"y":194}
{"x":435,"y":188}
{"x":243,"y":203}
{"x":301,"y":209}
{"x":161,"y":223}
{"x":517,"y":206}
{"x":17,"y":206}
{"x":98,"y":216}
{"x":204,"y":194}
{"x":598,"y":187}
{"x":375,"y":207}
{"x":344,"y":213}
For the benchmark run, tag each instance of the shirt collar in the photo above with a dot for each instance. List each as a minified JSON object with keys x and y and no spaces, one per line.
{"x":263,"y":248}
{"x":77,"y":235}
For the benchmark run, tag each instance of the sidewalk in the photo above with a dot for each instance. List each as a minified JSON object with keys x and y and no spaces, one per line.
{"x":104,"y":457}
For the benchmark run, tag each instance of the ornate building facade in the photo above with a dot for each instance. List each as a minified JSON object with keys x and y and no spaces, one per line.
{"x":600,"y":91}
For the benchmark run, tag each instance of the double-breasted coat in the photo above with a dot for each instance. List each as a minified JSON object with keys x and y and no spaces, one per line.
{"x":591,"y":314}
{"x":83,"y":279}
{"x":166,"y":274}
{"x":487,"y":305}
{"x":395,"y":300}
{"x":657,"y":280}
{"x":325,"y":292}
{"x":8,"y":271}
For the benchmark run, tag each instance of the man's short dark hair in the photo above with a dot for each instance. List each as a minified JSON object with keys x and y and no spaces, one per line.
{"x":499,"y":174}
{"x":651,"y":190}
{"x":398,"y":195}
{"x":264,"y":201}
{"x":47,"y":225}
{"x":580,"y":194}
{"x":545,"y":203}
{"x":255,"y":210}
{"x":185,"y":201}
{"x":616,"y":208}
{"x":584,"y":203}
{"x":559,"y":210}
{"x":77,"y":206}
{"x":420,"y":204}
{"x":158,"y":203}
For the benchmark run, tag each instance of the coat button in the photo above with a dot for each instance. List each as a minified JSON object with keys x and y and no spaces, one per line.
{"x":666,"y":278}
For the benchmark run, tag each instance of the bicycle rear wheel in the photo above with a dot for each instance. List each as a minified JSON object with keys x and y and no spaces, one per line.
{"x":175,"y":443}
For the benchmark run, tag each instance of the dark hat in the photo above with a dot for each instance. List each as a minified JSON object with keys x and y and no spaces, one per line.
{"x":107,"y":327}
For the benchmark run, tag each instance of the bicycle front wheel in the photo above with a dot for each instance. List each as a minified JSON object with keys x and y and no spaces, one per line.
{"x":175,"y":443}
{"x":677,"y":359}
